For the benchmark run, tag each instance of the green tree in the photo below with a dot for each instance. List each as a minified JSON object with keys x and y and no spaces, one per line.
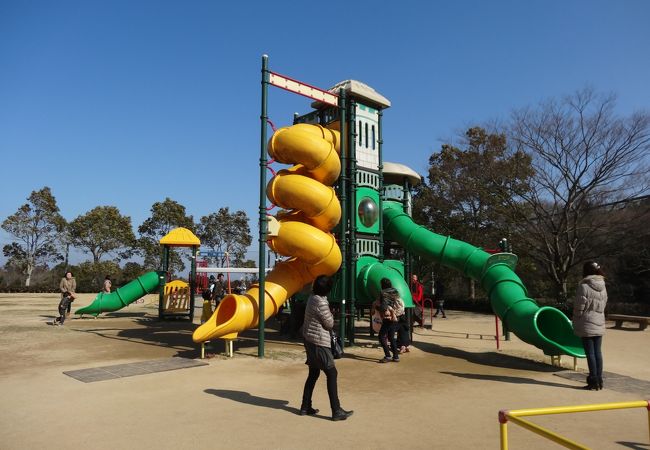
{"x":130,"y":271}
{"x":165,"y":216}
{"x":465,"y":189}
{"x":90,"y":275}
{"x":102,"y":231}
{"x":35,"y":226}
{"x":226,"y":232}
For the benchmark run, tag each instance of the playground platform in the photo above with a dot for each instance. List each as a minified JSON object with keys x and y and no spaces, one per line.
{"x":446,"y":393}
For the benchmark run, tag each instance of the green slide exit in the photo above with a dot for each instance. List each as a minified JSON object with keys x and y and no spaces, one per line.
{"x":544,"y":327}
{"x":123,"y":296}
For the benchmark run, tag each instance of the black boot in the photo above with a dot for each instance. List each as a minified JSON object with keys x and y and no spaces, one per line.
{"x":307,"y":411}
{"x":592,"y":384}
{"x":341,"y":414}
{"x":600,"y":383}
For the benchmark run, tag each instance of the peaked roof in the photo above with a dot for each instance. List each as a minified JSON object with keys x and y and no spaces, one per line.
{"x":180,"y":237}
{"x":361,"y":91}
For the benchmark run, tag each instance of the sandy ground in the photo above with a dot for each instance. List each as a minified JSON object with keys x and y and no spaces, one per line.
{"x":445,"y":393}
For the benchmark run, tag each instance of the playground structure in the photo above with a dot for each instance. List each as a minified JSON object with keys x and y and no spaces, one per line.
{"x":339,"y":144}
{"x":175,"y":298}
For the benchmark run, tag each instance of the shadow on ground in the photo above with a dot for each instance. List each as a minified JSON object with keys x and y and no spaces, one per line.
{"x":493,"y":359}
{"x":634,"y":445}
{"x":171,"y":334}
{"x":245,"y":397}
{"x":509,"y":379}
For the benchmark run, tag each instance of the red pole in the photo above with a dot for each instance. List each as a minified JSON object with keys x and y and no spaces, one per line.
{"x":228,"y":266}
{"x":496,"y":326}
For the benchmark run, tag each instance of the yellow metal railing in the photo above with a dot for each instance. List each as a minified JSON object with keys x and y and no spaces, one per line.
{"x":516,"y":417}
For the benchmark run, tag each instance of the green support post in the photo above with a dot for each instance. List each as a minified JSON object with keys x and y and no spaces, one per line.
{"x":343,"y":187}
{"x":163,"y":280}
{"x":262,"y":210}
{"x":352,"y":214}
{"x":192,"y":280}
{"x":408,"y":260}
{"x":380,"y":143}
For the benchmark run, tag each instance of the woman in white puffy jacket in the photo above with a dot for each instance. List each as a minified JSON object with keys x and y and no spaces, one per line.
{"x":589,"y":320}
{"x":316,"y":332}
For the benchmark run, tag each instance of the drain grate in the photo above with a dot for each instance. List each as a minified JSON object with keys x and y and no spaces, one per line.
{"x":613,"y":381}
{"x":132,"y":369}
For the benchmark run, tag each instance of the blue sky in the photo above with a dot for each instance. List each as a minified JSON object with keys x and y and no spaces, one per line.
{"x":125,"y":103}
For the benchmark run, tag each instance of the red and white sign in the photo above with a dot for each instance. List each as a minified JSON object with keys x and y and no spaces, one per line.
{"x":306,"y":90}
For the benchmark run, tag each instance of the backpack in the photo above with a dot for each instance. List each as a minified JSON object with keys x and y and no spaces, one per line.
{"x":387,"y":300}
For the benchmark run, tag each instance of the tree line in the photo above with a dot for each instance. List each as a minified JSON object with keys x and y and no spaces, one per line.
{"x":42,"y":240}
{"x":565,"y":181}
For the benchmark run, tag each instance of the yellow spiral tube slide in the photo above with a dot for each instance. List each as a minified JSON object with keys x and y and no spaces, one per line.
{"x":301,"y":233}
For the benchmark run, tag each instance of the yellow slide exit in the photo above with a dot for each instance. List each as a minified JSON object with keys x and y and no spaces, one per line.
{"x":302,"y":232}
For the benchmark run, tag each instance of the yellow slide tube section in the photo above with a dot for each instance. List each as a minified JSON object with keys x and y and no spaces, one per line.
{"x":302,"y":233}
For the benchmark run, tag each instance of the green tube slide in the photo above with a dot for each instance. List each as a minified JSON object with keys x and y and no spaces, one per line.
{"x":544,"y":327}
{"x":124,"y":295}
{"x":370,"y":276}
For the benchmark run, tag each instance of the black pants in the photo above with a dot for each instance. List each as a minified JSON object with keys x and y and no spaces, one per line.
{"x":440,"y":308}
{"x":332,"y":388}
{"x":594,"y":356}
{"x":403,"y":332}
{"x":387,"y":336}
{"x":64,"y":306}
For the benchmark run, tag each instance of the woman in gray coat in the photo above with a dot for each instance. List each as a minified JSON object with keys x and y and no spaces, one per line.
{"x":316,"y":331}
{"x":589,"y":320}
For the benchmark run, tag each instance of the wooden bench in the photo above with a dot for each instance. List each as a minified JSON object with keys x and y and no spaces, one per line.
{"x":620,"y":318}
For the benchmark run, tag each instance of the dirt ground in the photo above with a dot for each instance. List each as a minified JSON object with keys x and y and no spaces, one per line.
{"x":445,"y":393}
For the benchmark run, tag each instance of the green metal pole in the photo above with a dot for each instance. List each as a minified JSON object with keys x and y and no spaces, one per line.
{"x":408,"y":261}
{"x":380,"y":144}
{"x":343,"y":240}
{"x":263,"y":220}
{"x":161,"y":290}
{"x":408,"y":269}
{"x":194,"y":250}
{"x":352,"y":202}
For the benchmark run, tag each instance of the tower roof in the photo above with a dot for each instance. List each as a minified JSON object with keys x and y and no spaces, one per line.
{"x":361,"y":91}
{"x":394,"y":173}
{"x":180,"y":237}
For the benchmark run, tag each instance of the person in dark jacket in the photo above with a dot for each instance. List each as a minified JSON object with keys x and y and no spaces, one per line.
{"x":218,"y":289}
{"x":316,"y":332}
{"x":589,"y":320}
{"x":391,"y":307}
{"x":440,"y":299}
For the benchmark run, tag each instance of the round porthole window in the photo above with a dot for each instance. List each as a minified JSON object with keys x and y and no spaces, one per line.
{"x":368,"y":211}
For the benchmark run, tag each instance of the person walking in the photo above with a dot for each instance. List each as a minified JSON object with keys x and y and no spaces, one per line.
{"x":67,"y":286}
{"x":391,"y":307}
{"x":316,"y":333}
{"x":589,"y":320}
{"x":440,"y":300}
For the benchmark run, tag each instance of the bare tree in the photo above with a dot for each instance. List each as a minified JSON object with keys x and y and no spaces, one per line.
{"x":584,"y":155}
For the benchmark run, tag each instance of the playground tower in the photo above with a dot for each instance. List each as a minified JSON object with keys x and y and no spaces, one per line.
{"x":360,"y":188}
